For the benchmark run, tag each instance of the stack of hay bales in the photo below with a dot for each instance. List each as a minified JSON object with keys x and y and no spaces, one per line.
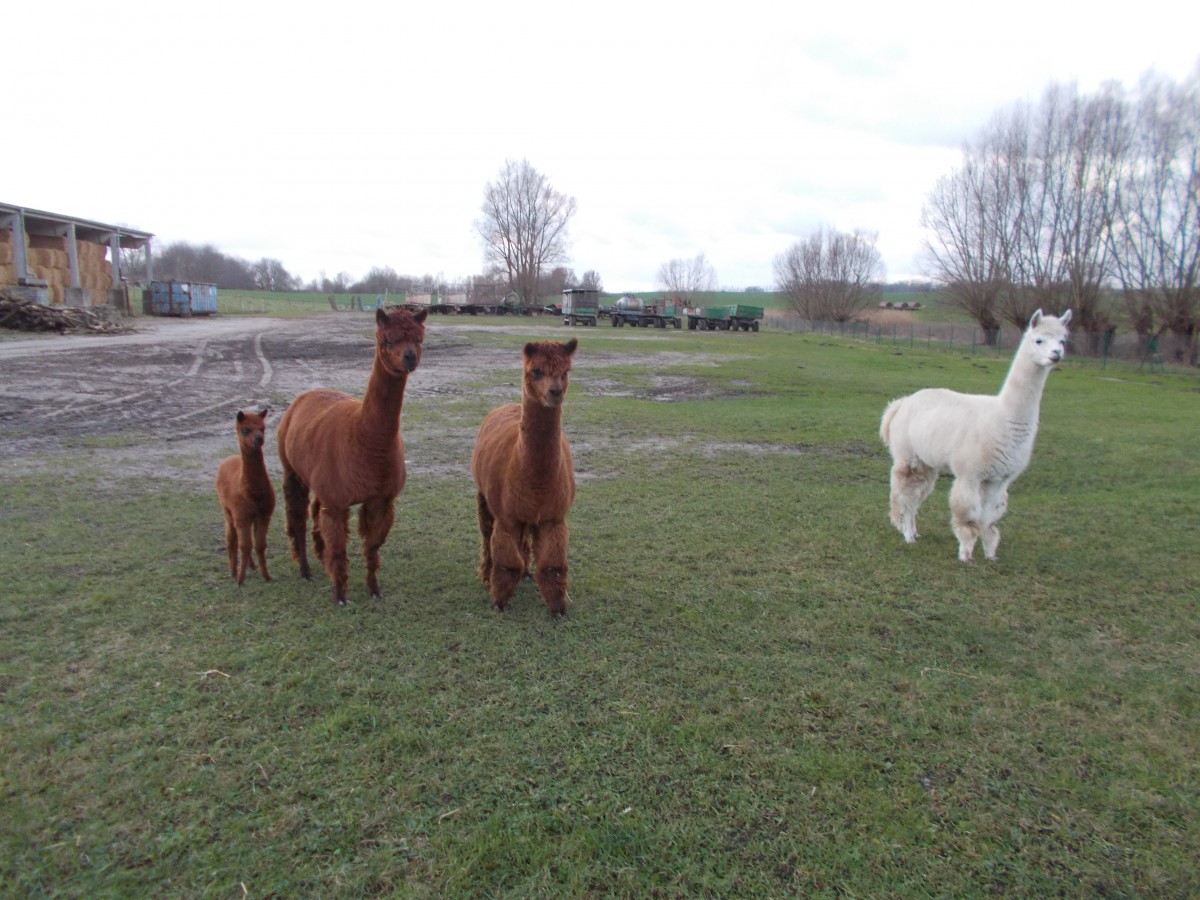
{"x":8,"y":271}
{"x":95,"y":271}
{"x":46,"y":258}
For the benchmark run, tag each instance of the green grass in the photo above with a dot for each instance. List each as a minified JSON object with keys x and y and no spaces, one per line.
{"x":760,"y":690}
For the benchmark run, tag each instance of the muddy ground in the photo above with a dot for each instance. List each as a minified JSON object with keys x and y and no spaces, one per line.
{"x":159,"y":400}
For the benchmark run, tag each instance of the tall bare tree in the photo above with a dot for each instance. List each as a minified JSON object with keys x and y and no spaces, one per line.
{"x":683,"y":279}
{"x":1155,"y":232}
{"x":962,"y":247}
{"x":592,"y":281}
{"x":832,"y":275}
{"x":524,"y":226}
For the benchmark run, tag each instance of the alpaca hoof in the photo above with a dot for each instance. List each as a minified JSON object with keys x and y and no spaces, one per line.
{"x":499,"y":607}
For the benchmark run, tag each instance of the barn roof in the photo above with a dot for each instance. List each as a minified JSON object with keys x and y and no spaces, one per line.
{"x":40,"y":222}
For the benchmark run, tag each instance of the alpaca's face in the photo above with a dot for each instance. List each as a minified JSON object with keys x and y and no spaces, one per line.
{"x":547,"y":370}
{"x":1047,"y":338}
{"x":399,"y":335}
{"x":251,"y":429}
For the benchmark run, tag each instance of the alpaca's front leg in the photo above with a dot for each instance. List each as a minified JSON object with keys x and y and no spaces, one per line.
{"x":508,"y":565}
{"x":261,"y":527}
{"x":375,"y":520}
{"x":334,"y":532}
{"x":245,"y":545}
{"x":994,"y":507}
{"x":966,"y":513}
{"x":231,"y":544}
{"x":550,"y":556}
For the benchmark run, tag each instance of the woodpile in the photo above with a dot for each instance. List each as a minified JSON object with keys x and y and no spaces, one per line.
{"x":25,"y":315}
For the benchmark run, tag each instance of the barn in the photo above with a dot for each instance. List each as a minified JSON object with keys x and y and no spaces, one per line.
{"x":63,"y":260}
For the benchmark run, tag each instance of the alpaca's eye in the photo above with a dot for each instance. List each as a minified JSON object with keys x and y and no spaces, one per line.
{"x":536,"y":373}
{"x":1039,"y":341}
{"x":245,"y":431}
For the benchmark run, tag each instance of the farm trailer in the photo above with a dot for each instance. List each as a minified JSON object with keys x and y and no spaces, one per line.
{"x":636,"y":312}
{"x":725,"y":318}
{"x":580,"y":306}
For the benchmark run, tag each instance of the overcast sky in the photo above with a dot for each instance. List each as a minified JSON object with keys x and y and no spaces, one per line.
{"x":339,"y":136}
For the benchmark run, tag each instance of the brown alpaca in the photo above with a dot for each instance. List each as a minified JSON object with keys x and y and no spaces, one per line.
{"x":349,"y":452}
{"x":247,"y":497}
{"x":522,"y":467}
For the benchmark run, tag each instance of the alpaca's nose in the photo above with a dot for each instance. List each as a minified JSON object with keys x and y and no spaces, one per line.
{"x":556,"y":391}
{"x":410,"y":359}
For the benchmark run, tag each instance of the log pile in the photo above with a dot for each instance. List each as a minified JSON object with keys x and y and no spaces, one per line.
{"x":25,"y":315}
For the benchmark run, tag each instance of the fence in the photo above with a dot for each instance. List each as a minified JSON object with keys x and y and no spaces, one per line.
{"x":964,"y":338}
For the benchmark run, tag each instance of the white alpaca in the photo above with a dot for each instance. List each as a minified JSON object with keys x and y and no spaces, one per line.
{"x":984,"y":441}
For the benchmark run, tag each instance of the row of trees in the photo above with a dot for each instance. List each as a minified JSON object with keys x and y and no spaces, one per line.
{"x":1057,"y":203}
{"x":182,"y":261}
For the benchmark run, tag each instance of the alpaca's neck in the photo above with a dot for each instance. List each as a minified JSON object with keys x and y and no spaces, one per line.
{"x":1021,"y":395}
{"x":541,"y":436}
{"x":379,"y":415}
{"x":254,"y":469}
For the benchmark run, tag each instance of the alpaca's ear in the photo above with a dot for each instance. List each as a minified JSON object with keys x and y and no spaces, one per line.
{"x":241,"y":416}
{"x":1035,"y":318}
{"x":569,"y":346}
{"x":530,"y":349}
{"x":380,"y":315}
{"x":420,"y":315}
{"x":265,"y":410}
{"x":1065,"y":317}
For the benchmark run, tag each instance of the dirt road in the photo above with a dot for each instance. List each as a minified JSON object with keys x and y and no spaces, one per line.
{"x":160,"y":400}
{"x":174,"y":384}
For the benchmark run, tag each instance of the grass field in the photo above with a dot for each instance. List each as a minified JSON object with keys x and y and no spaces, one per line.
{"x":760,"y":690}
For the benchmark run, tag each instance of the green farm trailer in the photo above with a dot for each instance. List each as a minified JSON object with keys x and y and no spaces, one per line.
{"x":580,"y":306}
{"x":725,"y":318}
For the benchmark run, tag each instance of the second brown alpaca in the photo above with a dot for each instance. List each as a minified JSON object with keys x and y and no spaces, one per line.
{"x":247,"y":497}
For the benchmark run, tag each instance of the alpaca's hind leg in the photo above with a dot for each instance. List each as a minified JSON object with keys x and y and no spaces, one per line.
{"x":508,"y":565}
{"x":295,"y":502}
{"x":966,"y":515}
{"x":333,"y":524}
{"x":486,"y":523}
{"x":911,"y":485}
{"x":995,"y":505}
{"x":375,"y":519}
{"x":550,"y":554}
{"x":261,"y":526}
{"x":231,"y":544}
{"x":318,"y":541}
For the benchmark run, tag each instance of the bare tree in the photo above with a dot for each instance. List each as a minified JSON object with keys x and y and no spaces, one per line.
{"x":684,"y":278}
{"x":1155,"y":233}
{"x":831,"y":275}
{"x":965,"y":238}
{"x":524,"y":226}
{"x":591,"y":281}
{"x":270,"y":275}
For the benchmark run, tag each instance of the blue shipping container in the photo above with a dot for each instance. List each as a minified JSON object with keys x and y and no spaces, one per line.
{"x":180,"y":298}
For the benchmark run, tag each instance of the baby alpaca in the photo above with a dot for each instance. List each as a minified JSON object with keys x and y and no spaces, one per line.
{"x":984,"y":441}
{"x":247,"y":497}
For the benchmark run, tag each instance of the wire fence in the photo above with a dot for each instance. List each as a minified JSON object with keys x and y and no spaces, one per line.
{"x":962,"y":338}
